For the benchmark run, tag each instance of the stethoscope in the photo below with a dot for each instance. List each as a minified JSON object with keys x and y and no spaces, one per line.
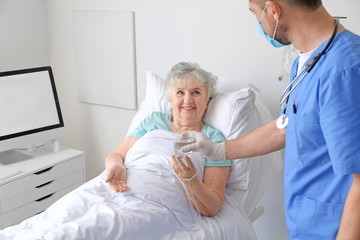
{"x":283,"y":120}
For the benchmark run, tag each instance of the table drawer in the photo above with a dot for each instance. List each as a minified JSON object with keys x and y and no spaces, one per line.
{"x":41,"y":191}
{"x":35,"y":207}
{"x":41,"y":177}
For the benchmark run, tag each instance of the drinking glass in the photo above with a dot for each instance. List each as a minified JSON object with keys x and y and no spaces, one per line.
{"x":181,"y":140}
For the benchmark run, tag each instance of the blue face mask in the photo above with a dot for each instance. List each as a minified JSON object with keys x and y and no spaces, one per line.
{"x":272,"y":40}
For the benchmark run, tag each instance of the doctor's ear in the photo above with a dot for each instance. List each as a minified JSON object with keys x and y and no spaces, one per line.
{"x":274,"y":9}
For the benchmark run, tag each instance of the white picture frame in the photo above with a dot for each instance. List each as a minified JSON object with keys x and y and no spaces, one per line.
{"x":105,"y":68}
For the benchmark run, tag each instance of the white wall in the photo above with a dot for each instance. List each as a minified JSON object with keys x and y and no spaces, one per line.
{"x":23,"y":34}
{"x":220,"y":35}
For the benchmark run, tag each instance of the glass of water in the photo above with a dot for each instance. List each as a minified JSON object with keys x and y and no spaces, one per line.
{"x":181,"y":140}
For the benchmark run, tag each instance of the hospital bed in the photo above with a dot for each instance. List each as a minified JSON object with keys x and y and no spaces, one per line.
{"x":155,"y":205}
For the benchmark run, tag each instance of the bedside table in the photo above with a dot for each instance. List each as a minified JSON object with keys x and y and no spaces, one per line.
{"x":43,"y":179}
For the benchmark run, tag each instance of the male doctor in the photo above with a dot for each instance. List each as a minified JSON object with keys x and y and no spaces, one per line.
{"x":319,"y":124}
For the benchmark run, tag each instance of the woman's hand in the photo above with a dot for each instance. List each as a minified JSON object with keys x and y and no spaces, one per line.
{"x":186,"y":172}
{"x":207,"y":197}
{"x":114,"y":164}
{"x":116,"y":177}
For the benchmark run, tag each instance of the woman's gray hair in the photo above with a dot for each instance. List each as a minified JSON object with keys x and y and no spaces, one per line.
{"x":184,"y":70}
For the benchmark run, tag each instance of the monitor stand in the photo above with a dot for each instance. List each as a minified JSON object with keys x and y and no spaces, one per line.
{"x":13,"y":156}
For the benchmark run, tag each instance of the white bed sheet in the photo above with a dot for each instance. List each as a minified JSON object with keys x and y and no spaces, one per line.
{"x":154,"y":207}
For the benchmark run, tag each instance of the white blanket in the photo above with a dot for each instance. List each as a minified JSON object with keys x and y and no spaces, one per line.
{"x":154,"y":207}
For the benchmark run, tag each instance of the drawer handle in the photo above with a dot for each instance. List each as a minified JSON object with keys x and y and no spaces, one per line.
{"x":43,"y":185}
{"x":40,"y":212}
{"x":43,"y":171}
{"x":43,"y":198}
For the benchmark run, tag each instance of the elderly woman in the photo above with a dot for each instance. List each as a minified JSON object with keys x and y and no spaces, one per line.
{"x":189,"y":89}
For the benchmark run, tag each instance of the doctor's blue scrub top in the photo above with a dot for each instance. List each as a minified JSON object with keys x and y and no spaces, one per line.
{"x":323,"y":140}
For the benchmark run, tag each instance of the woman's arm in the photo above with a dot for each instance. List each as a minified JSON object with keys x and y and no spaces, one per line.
{"x":114,"y":164}
{"x":208,"y":196}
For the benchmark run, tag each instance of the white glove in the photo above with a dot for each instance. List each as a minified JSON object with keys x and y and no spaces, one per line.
{"x":213,"y":151}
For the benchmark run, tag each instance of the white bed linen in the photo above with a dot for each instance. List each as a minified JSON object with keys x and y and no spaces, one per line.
{"x":154,"y":207}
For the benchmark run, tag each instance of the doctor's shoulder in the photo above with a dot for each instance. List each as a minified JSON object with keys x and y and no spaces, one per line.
{"x":346,"y":50}
{"x":342,"y":57}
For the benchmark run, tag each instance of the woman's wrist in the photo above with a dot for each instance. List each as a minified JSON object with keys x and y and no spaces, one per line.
{"x":114,"y":160}
{"x":192,"y":180}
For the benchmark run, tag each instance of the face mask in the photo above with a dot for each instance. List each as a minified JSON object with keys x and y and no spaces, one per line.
{"x":272,"y":40}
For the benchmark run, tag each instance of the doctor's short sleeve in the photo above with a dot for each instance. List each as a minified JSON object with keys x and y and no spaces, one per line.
{"x":339,"y":101}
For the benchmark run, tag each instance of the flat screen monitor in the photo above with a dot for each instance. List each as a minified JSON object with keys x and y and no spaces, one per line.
{"x":30,"y":113}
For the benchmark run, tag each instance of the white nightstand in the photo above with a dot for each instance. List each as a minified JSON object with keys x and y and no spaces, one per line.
{"x":43,"y":179}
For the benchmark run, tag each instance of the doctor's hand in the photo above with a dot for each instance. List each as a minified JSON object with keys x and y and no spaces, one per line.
{"x":116,"y":177}
{"x":213,"y":151}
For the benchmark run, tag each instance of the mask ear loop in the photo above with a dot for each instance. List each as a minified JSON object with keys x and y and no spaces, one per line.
{"x":277,"y":23}
{"x":262,"y":14}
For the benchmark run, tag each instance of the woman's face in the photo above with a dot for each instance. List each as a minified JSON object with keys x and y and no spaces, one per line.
{"x":188,"y":101}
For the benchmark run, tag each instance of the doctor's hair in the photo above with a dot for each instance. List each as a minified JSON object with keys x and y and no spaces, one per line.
{"x":307,"y":4}
{"x":183,"y":70}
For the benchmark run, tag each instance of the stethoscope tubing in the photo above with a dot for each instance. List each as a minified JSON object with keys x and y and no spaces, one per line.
{"x":308,"y":67}
{"x":283,"y":98}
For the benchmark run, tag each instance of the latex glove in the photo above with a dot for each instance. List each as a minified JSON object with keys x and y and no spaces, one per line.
{"x":116,"y":177}
{"x":213,"y":151}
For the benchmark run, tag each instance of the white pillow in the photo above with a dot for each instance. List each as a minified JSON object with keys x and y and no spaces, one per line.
{"x":234,"y":114}
{"x":155,"y":100}
{"x":231,"y":113}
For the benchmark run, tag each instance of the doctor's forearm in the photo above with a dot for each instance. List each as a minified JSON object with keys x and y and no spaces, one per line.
{"x":350,"y":221}
{"x":265,"y":139}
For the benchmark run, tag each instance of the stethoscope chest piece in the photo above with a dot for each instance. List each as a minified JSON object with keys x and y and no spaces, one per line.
{"x":282,"y":121}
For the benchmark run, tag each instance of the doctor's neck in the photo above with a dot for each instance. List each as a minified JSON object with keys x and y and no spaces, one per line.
{"x":311,"y":28}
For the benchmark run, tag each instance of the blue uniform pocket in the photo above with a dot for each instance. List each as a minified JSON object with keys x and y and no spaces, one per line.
{"x":317,"y":220}
{"x":310,"y":142}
